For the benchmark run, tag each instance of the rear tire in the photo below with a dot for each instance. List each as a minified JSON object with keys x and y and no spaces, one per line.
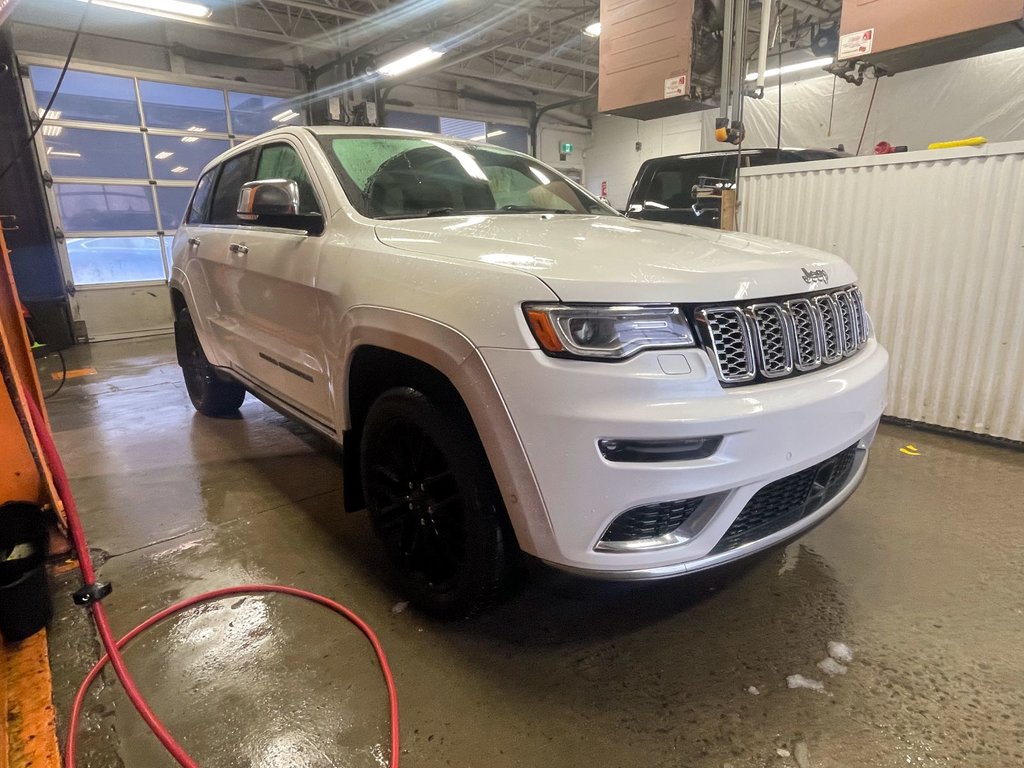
{"x":435,"y":505}
{"x":210,"y":394}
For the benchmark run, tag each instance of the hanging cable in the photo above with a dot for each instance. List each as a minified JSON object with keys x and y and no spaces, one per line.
{"x":53,"y":96}
{"x":867,"y":116}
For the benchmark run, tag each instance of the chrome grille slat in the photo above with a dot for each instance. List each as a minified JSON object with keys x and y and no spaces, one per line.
{"x":729,"y":338}
{"x":847,"y":324}
{"x":774,"y":339}
{"x":771,"y":334}
{"x":806,"y":327}
{"x":832,"y":342}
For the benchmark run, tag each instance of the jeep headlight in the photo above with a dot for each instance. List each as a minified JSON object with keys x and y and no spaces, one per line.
{"x":607,"y":332}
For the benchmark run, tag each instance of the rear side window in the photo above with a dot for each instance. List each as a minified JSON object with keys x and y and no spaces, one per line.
{"x":234,"y":173}
{"x":200,"y":204}
{"x":672,"y":184}
{"x":281,"y":161}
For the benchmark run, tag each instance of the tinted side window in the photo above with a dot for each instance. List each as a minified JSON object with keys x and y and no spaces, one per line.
{"x":200,"y":204}
{"x":281,"y":161}
{"x":669,"y":189}
{"x":234,"y":173}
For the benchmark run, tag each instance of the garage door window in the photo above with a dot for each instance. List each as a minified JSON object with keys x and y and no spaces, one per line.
{"x":252,"y":113}
{"x":184,"y":107}
{"x":123,"y":175}
{"x":104,"y":260}
{"x":173,"y":158}
{"x":87,"y":96}
{"x":173,"y":201}
{"x":79,"y":152}
{"x":105,"y":207}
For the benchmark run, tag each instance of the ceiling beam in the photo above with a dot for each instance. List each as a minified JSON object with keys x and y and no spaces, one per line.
{"x":541,"y":58}
{"x":313,"y":7}
{"x":515,"y":82}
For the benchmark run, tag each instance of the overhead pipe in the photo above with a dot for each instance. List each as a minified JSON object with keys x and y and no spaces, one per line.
{"x":762,"y":47}
{"x":723,"y":108}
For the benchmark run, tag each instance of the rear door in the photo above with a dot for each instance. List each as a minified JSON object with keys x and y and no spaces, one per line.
{"x":275,"y":292}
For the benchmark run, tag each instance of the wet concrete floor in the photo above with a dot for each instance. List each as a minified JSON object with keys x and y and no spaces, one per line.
{"x":921,"y":573}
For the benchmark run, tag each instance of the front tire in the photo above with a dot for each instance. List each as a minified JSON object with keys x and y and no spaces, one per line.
{"x":211,"y":395}
{"x":435,"y":505}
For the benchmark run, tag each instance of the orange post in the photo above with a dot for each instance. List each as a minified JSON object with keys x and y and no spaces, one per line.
{"x":23,"y":475}
{"x":28,"y":734}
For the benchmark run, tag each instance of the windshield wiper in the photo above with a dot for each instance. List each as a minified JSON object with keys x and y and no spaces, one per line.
{"x":421,"y":214}
{"x":531,"y":209}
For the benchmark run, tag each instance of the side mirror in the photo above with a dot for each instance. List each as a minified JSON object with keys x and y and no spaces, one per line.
{"x":270,"y":197}
{"x":275,"y":203}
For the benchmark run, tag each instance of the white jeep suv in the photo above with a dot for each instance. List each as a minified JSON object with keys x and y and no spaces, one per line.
{"x":512,"y":366}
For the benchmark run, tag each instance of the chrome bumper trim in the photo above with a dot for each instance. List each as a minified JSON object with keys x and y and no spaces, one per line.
{"x":712,"y":561}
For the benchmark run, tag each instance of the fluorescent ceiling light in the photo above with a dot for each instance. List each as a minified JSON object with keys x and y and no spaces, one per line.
{"x":409,"y":61}
{"x":798,"y":67}
{"x":158,"y":7}
{"x":162,"y":155}
{"x":189,"y":139}
{"x":592,"y":30}
{"x":53,"y":114}
{"x":196,"y":129}
{"x":490,"y":135}
{"x":52,"y":130}
{"x":61,"y":153}
{"x":179,"y":169}
{"x":284,"y":117}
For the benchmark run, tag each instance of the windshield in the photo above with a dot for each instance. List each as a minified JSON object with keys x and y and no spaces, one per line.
{"x":410,"y":177}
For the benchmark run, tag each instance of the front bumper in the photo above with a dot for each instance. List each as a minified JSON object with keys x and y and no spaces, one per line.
{"x":562,"y":408}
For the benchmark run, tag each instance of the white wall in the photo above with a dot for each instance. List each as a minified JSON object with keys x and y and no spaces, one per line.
{"x":612,"y":158}
{"x":974,"y":97}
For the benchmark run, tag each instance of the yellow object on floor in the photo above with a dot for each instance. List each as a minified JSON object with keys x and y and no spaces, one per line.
{"x":28,"y":735}
{"x":74,"y":373}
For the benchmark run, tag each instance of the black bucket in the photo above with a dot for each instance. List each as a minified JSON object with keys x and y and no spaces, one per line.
{"x":25,"y":605}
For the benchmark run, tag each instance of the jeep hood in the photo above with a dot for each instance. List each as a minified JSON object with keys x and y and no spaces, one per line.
{"x":609,"y":259}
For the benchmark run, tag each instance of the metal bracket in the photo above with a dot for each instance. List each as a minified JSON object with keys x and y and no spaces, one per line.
{"x":92,"y":593}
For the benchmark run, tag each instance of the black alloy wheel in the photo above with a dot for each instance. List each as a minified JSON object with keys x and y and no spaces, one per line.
{"x":434,"y":504}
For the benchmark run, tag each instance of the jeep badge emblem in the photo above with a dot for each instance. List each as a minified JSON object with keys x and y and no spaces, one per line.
{"x":812,"y":276}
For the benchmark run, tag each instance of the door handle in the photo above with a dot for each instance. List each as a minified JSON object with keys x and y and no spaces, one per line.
{"x":238,"y":248}
{"x":194,"y":242}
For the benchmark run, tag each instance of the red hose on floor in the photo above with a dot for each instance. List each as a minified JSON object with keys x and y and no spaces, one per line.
{"x":112,"y":647}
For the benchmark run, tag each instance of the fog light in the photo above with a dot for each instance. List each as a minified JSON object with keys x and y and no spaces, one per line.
{"x":681,"y":449}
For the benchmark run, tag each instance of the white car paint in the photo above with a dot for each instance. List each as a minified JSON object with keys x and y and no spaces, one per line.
{"x":286,"y":317}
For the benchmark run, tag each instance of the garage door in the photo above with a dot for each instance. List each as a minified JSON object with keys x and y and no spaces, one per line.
{"x":120,"y":154}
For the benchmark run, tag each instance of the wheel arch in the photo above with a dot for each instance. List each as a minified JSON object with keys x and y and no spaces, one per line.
{"x":389,"y":348}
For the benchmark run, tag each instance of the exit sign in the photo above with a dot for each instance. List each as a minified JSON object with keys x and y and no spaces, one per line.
{"x":567,"y":148}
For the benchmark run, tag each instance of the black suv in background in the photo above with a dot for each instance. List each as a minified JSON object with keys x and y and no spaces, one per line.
{"x":664,"y":186}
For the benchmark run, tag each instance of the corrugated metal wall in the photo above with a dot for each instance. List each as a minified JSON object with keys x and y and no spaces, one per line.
{"x":938,"y":241}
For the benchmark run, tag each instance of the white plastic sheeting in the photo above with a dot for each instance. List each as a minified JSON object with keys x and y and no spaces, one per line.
{"x":974,"y":97}
{"x":937,"y":239}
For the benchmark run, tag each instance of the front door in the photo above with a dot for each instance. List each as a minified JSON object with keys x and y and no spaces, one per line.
{"x":275,"y":308}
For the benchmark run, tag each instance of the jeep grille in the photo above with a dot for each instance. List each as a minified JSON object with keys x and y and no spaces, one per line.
{"x":764,"y":340}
